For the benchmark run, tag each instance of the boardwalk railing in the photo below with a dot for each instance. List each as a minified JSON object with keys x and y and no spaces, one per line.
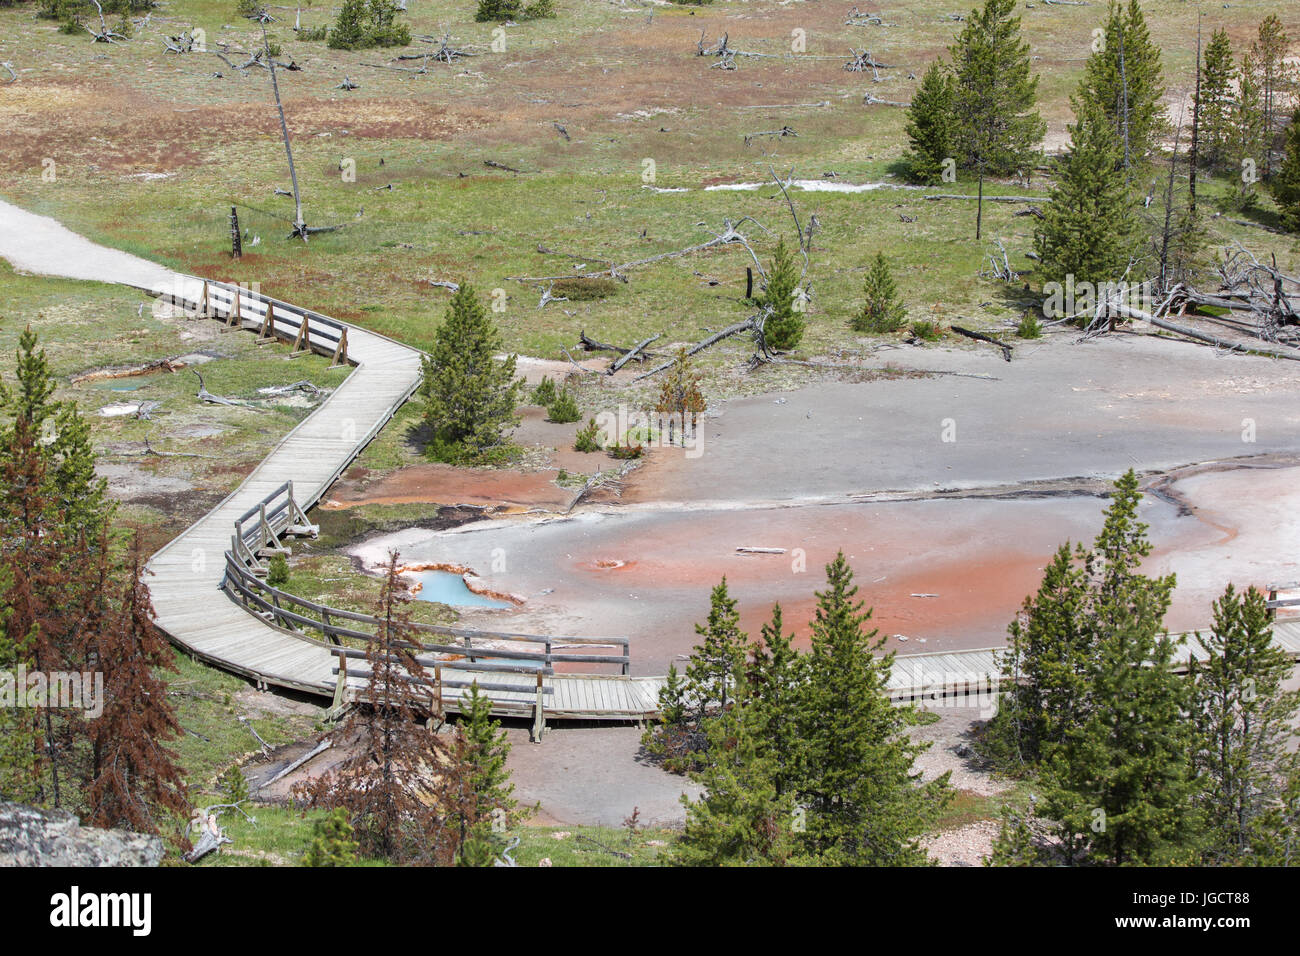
{"x":256,"y":535}
{"x":242,"y":307}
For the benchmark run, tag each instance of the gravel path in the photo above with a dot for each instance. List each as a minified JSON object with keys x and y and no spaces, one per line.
{"x":39,"y":244}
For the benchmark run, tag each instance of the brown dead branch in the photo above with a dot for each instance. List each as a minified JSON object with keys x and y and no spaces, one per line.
{"x":980,"y":336}
{"x":728,"y":236}
{"x":858,"y":19}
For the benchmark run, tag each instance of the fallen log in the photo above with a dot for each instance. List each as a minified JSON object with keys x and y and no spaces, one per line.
{"x":980,"y":336}
{"x":315,"y":751}
{"x":702,"y":345}
{"x":988,"y":198}
{"x":631,"y":353}
{"x":591,"y":345}
{"x":1292,"y":354}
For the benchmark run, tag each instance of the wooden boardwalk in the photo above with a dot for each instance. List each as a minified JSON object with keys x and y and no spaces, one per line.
{"x":186,"y":575}
{"x":974,"y":674}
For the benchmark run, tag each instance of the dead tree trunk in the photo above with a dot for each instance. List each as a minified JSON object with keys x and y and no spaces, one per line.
{"x":299,"y":227}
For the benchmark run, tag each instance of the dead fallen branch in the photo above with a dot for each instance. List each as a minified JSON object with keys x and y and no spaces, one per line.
{"x":727,"y":236}
{"x":750,"y":324}
{"x":859,"y":19}
{"x":300,"y":386}
{"x":988,"y":198}
{"x":580,"y":368}
{"x":314,"y":752}
{"x":783,"y":131}
{"x":981,"y":337}
{"x":630,"y":354}
{"x":860,"y":61}
{"x":1276,"y":352}
{"x":204,"y":395}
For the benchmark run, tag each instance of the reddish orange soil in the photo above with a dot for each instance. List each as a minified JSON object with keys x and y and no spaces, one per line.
{"x":447,"y":485}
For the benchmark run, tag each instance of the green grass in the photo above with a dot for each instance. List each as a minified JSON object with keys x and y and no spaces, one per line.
{"x":450,"y":217}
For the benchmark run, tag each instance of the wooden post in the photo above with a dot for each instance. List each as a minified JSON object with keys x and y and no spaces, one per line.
{"x":437,"y":689}
{"x":235,"y":316}
{"x":236,"y":241}
{"x":539,"y":713}
{"x":268,"y":323}
{"x":341,"y":351}
{"x":301,"y":344}
{"x":204,"y":307}
{"x":1272,"y":596}
{"x":340,"y":686}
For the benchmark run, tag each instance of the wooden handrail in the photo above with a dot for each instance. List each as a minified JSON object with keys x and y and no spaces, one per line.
{"x":276,"y":512}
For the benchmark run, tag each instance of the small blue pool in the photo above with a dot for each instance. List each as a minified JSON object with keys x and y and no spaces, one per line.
{"x":448,"y":587}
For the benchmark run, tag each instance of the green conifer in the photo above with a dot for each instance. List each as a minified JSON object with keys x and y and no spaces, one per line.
{"x":930,"y":127}
{"x":784,"y":326}
{"x":865,"y":803}
{"x":1123,"y":79}
{"x":469,"y":396}
{"x":996,"y":129}
{"x":1286,"y":183}
{"x":1089,"y":227}
{"x":332,"y":841}
{"x":1218,"y":81}
{"x":882,"y":308}
{"x":1244,"y":722}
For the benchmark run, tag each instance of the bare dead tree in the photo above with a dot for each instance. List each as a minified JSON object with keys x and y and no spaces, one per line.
{"x":858,"y":19}
{"x":106,"y":33}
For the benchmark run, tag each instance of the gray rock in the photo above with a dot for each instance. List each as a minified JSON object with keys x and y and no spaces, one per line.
{"x":31,"y":837}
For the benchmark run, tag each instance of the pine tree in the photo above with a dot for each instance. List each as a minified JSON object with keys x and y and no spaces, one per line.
{"x":362,"y":24}
{"x":784,"y":326}
{"x":997,"y":132}
{"x":776,"y":676}
{"x":1120,"y":784}
{"x":137,"y":783}
{"x":405,"y":789}
{"x":53,"y":521}
{"x":741,"y":818}
{"x":332,"y":843}
{"x":865,"y":803}
{"x":929,"y":127}
{"x":1218,"y":80}
{"x":687,"y":705}
{"x":719,"y":658}
{"x":1123,"y":80}
{"x":469,"y":396}
{"x":486,"y":751}
{"x":1089,"y":226}
{"x":1286,"y":184}
{"x":882,"y":308}
{"x":1243,"y":718}
{"x":1043,"y":669}
{"x":1247,"y":133}
{"x":1275,"y":81}
{"x":1117,"y":776}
